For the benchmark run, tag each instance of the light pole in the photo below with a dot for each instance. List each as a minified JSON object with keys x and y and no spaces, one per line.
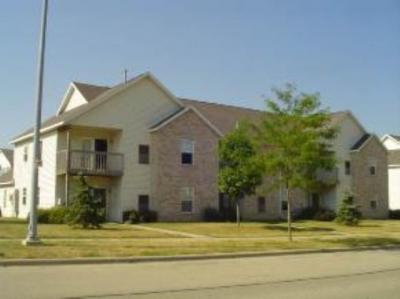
{"x":32,"y":237}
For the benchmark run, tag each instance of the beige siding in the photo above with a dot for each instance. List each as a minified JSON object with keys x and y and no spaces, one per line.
{"x":132,"y":111}
{"x":75,"y":100}
{"x":47,"y":172}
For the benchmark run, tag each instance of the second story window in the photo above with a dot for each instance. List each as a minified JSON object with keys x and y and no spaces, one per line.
{"x":25,"y":153}
{"x":372,"y":167}
{"x":24,"y":196}
{"x":187,"y":149}
{"x":347,"y":166}
{"x":144,"y":154}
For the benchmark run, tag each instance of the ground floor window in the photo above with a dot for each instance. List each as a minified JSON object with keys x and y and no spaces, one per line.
{"x":187,"y":198}
{"x":24,"y":196}
{"x":261,"y":204}
{"x":284,"y":205}
{"x":372,"y":204}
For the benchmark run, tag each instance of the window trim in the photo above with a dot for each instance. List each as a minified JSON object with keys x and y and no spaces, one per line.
{"x":192,"y":200}
{"x":182,"y":140}
{"x":147,"y":161}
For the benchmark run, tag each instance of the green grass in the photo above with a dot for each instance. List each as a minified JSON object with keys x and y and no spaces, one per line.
{"x":120,"y":240}
{"x":279,"y":229}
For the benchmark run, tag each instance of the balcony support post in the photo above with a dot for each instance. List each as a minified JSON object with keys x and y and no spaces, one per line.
{"x":67,"y":168}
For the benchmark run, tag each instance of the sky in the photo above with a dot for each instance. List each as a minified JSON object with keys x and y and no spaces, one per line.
{"x":225,"y":51}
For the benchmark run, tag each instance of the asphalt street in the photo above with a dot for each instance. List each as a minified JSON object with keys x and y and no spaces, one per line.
{"x":365,"y":274}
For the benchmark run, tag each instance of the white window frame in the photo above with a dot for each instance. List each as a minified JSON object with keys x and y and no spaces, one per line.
{"x":184,"y":151}
{"x":185,"y":193}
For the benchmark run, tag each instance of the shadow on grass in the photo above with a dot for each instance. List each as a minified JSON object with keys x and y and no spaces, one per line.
{"x":299,"y":229}
{"x":12,"y":221}
{"x":367,"y":241}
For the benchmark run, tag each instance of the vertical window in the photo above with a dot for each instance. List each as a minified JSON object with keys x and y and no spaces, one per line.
{"x":261,"y":204}
{"x":144,"y":154}
{"x":284,"y":205}
{"x":347,"y":166}
{"x":25,"y":153}
{"x":187,"y":197}
{"x":187,"y":149}
{"x":5,"y":198}
{"x":143,"y":203}
{"x":372,"y":170}
{"x":372,"y":166}
{"x":24,"y":196}
{"x":372,"y":204}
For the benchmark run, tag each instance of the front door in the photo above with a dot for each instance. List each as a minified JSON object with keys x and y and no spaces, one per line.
{"x":100,"y":196}
{"x":315,"y":201}
{"x":101,"y":148}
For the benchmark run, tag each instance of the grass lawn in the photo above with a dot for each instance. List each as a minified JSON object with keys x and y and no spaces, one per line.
{"x":300,"y":228}
{"x":127,"y":240}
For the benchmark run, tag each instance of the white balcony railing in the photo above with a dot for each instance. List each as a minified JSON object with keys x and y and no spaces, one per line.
{"x":90,"y":163}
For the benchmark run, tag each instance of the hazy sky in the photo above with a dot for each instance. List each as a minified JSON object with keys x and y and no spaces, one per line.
{"x":228,"y":51}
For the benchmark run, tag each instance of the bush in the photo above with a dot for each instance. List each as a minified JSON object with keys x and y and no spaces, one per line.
{"x":324,"y":215}
{"x":42,"y":215}
{"x":148,"y":216}
{"x":134,"y":217}
{"x":212,"y":215}
{"x":394,"y":214}
{"x":348,"y":213}
{"x":55,"y":215}
{"x":307,"y":213}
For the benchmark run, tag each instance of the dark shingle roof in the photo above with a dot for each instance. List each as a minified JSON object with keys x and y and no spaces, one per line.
{"x":360,"y":142}
{"x":9,"y":154}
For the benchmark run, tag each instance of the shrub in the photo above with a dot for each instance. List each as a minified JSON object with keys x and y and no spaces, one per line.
{"x":131,"y":216}
{"x":85,"y":210}
{"x":148,"y":216}
{"x":307,"y":213}
{"x":348,"y":213}
{"x":324,"y":215}
{"x":212,"y":215}
{"x":394,"y":214}
{"x":58,"y":215}
{"x":42,"y":215}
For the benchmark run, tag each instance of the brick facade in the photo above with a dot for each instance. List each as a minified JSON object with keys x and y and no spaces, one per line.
{"x":369,"y":187}
{"x":169,"y":175}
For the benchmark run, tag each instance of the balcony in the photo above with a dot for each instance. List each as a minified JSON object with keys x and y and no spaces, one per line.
{"x":328,"y":177}
{"x":90,"y":163}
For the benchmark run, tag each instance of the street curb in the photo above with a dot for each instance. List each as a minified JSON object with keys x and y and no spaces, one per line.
{"x":149,"y":259}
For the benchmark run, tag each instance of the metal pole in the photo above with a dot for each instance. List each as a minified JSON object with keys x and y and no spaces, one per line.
{"x":32,"y":237}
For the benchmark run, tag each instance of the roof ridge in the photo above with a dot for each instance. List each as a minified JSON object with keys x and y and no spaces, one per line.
{"x":90,"y":84}
{"x":221,"y":104}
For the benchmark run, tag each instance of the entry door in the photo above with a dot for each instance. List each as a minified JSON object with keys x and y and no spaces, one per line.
{"x":100,"y":195}
{"x":101,"y":147}
{"x":315,"y":201}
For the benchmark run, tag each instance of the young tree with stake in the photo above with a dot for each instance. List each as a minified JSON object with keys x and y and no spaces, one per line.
{"x":295,"y":138}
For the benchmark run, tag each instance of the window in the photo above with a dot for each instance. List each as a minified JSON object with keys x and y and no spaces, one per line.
{"x":144,"y":154}
{"x":187,"y":148}
{"x":24,"y":196}
{"x":284,"y":205}
{"x":372,"y":204}
{"x":187,"y":197}
{"x":261,"y":204}
{"x":143,"y":203}
{"x":372,"y":170}
{"x":347,"y":166}
{"x":25,"y":153}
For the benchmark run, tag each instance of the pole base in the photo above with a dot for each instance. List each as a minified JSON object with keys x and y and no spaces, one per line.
{"x":31,"y":242}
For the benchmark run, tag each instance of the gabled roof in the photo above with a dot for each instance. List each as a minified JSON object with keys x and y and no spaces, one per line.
{"x":66,"y":117}
{"x":6,"y":178}
{"x":360,"y":142}
{"x":90,"y":91}
{"x":9,"y":154}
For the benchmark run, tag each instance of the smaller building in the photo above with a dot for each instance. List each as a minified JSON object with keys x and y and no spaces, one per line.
{"x":8,"y":204}
{"x":392,"y":144}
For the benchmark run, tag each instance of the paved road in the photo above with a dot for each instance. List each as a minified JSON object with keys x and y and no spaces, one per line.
{"x":369,"y":274}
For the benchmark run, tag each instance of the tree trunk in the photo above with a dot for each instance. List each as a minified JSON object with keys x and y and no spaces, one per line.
{"x":289,"y":212}
{"x":237,"y":213}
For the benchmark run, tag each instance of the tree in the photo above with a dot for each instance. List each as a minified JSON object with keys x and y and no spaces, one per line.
{"x":348,"y":213}
{"x":241,"y":169}
{"x":295,"y":137}
{"x":85,"y":210}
